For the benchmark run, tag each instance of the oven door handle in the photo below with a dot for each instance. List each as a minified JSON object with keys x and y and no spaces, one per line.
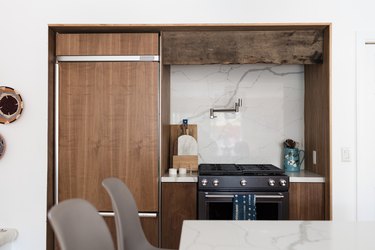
{"x":263,"y":196}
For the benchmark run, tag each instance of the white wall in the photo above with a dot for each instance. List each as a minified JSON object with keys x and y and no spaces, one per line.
{"x":23,"y":65}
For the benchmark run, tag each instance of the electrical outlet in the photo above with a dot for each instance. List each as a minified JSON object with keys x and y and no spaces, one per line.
{"x":346,"y":155}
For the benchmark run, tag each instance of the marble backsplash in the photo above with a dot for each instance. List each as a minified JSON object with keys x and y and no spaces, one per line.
{"x":272,"y":109}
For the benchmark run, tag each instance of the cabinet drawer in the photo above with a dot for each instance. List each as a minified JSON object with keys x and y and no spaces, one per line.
{"x":107,"y":44}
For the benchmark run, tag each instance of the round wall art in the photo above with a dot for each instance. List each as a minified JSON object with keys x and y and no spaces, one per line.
{"x":11,"y":105}
{"x":2,"y":146}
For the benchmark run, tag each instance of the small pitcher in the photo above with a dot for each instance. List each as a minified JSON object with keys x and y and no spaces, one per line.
{"x":293,"y":159}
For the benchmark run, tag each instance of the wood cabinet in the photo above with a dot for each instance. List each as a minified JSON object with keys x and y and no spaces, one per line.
{"x":149,"y":225}
{"x":107,"y":44}
{"x":306,"y":201}
{"x":114,"y":116}
{"x":108,"y":127}
{"x":108,"y":120}
{"x":179,"y":203}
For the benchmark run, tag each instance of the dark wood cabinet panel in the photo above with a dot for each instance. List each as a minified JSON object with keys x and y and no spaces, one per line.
{"x":318,"y":119}
{"x":306,"y":201}
{"x":108,"y":126}
{"x":179,"y":203}
{"x":243,"y":47}
{"x":107,"y":44}
{"x":149,"y":225}
{"x":151,"y":228}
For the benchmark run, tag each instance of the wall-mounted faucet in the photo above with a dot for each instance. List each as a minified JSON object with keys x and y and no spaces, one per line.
{"x":236,"y":108}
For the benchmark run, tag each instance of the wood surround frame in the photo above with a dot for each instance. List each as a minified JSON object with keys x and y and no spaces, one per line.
{"x":317,"y":94}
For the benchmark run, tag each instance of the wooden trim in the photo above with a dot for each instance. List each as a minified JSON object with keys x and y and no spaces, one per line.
{"x":51,"y":128}
{"x":165,"y":110}
{"x":328,"y":183}
{"x":107,"y":28}
{"x":115,"y":44}
{"x":318,"y":134}
{"x":165,"y":117}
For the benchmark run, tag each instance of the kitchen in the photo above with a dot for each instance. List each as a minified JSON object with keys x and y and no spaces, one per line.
{"x":93,"y":68}
{"x":342,"y":107}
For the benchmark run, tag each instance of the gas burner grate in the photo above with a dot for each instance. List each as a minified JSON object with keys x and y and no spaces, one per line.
{"x":239,"y":169}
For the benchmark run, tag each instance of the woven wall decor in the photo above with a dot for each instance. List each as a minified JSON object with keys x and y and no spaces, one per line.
{"x":11,"y":105}
{"x":2,"y":146}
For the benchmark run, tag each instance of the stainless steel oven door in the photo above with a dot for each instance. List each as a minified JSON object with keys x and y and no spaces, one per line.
{"x":219,"y":205}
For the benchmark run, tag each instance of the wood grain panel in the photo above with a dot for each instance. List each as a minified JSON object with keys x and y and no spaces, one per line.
{"x":318,"y":118}
{"x":179,"y":203}
{"x":83,"y":28}
{"x":107,"y":44}
{"x":51,"y":132}
{"x":242,"y":47}
{"x":149,"y":225}
{"x":165,"y":109}
{"x":151,"y":228}
{"x":108,"y":115}
{"x":306,"y":201}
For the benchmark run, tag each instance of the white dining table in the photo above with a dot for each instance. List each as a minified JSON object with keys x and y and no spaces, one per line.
{"x":280,"y":235}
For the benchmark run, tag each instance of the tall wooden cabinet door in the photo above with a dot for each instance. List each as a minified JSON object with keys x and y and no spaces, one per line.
{"x":108,"y":126}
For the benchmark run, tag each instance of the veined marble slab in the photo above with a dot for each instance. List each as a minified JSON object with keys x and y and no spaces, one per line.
{"x":277,"y":235}
{"x":272,"y":111}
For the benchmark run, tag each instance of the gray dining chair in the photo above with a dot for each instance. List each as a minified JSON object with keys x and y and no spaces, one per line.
{"x":78,"y":226}
{"x":130,"y":235}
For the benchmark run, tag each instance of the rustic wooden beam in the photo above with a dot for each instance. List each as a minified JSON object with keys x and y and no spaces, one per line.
{"x":243,"y":47}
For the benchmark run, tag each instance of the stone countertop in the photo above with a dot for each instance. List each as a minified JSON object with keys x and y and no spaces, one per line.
{"x":193,"y":177}
{"x":302,"y":176}
{"x":7,"y":235}
{"x":277,"y":235}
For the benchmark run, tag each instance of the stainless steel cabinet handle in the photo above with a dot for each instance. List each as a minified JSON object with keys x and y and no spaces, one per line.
{"x":142,"y":58}
{"x":142,"y":215}
{"x":280,"y":196}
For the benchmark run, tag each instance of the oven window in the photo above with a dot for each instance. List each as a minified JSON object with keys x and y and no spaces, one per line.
{"x":267,"y":211}
{"x":220,"y":211}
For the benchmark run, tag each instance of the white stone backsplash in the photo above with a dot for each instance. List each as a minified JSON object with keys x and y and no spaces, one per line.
{"x":272,"y":109}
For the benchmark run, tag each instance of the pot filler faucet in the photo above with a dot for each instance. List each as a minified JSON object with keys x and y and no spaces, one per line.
{"x":236,"y":108}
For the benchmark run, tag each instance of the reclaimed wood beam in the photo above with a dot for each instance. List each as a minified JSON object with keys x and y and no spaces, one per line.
{"x":243,"y":47}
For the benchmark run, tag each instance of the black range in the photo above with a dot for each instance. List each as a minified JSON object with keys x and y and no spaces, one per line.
{"x":218,"y":183}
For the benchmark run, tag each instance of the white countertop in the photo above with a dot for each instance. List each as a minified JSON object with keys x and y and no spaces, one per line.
{"x":301,"y":176}
{"x":193,"y":177}
{"x":7,"y":235}
{"x":278,"y":235}
{"x":304,"y":176}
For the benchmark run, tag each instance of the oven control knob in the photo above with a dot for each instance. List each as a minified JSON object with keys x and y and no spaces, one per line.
{"x":215,"y":182}
{"x":283,"y":182}
{"x":243,"y":182}
{"x":204,"y":182}
{"x":271,"y":182}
